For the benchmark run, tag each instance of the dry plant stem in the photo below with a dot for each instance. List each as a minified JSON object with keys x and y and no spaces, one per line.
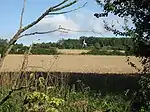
{"x":12,"y":41}
{"x":21,"y":72}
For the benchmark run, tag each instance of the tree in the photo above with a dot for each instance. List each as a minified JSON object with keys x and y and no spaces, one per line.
{"x":53,"y":10}
{"x":138,"y":11}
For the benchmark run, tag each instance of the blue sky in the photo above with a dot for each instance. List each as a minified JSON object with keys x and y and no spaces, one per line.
{"x":82,"y":19}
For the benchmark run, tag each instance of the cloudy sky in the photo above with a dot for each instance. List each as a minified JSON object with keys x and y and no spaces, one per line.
{"x":80,"y":20}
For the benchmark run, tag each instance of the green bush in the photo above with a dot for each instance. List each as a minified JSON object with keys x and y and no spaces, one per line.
{"x":62,"y":98}
{"x":103,"y":52}
{"x":49,"y":51}
{"x":141,"y":99}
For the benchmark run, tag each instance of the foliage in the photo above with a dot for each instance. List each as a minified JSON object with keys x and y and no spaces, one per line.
{"x":92,"y":43}
{"x":104,"y":52}
{"x":141,"y":99}
{"x":48,"y":51}
{"x":62,"y":98}
{"x":38,"y":101}
{"x":138,"y":12}
{"x":19,"y":49}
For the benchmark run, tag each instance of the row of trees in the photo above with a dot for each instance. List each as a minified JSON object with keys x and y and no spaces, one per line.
{"x":96,"y":43}
{"x":92,"y":43}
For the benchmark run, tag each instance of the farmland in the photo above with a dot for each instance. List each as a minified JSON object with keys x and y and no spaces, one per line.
{"x":71,"y":63}
{"x":71,"y":51}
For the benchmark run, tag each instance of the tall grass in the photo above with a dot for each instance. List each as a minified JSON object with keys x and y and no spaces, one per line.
{"x":29,"y":92}
{"x":82,"y":100}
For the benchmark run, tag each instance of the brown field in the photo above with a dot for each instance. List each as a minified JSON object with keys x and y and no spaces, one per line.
{"x":71,"y":63}
{"x":71,"y":51}
{"x":77,"y":51}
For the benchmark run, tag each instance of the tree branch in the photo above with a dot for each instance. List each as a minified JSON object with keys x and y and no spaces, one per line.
{"x":10,"y":44}
{"x":60,"y":29}
{"x":69,"y":10}
{"x":71,"y":30}
{"x":22,"y":12}
{"x":36,"y":33}
{"x":51,"y":9}
{"x":63,"y":2}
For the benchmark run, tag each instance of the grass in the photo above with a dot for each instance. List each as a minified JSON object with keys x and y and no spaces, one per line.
{"x":51,"y":93}
{"x":83,"y":100}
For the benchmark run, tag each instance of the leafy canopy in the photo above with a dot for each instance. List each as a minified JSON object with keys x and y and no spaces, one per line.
{"x":139,"y":12}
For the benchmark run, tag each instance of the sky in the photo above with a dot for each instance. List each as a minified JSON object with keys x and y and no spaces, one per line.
{"x":80,"y":20}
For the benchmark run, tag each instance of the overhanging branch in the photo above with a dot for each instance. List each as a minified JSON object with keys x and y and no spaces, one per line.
{"x":60,"y":29}
{"x":51,"y":9}
{"x":63,"y":2}
{"x":16,"y":36}
{"x":36,"y":33}
{"x":69,"y":10}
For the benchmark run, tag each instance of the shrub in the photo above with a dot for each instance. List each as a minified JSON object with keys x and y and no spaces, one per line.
{"x":62,"y":99}
{"x":103,"y":52}
{"x":49,"y":51}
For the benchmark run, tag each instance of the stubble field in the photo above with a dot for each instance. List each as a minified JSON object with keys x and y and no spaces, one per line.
{"x":71,"y":63}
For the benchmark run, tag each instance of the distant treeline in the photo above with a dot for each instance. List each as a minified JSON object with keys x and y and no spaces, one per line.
{"x":93,"y":43}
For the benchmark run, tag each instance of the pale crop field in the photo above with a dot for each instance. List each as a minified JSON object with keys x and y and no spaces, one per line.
{"x":77,"y":51}
{"x":71,"y":51}
{"x":71,"y":63}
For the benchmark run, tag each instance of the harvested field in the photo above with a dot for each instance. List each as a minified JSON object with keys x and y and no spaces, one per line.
{"x":77,"y":51}
{"x":71,"y":51}
{"x":71,"y":63}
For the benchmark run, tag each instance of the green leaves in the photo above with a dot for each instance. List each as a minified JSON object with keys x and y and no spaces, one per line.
{"x":36,"y":101}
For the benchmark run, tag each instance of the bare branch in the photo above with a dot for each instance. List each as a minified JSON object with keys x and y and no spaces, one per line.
{"x":36,"y":33}
{"x":63,"y":2}
{"x":60,"y":29}
{"x":69,"y":10}
{"x":21,"y":30}
{"x":51,"y":9}
{"x":71,"y":30}
{"x":22,"y":12}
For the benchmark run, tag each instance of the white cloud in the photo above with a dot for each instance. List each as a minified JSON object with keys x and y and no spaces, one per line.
{"x":81,"y":21}
{"x":87,"y":21}
{"x":53,"y":22}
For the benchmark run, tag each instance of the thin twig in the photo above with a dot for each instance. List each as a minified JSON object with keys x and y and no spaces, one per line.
{"x":36,"y":33}
{"x":22,"y":12}
{"x":71,"y":30}
{"x":60,"y":29}
{"x":22,"y":70}
{"x":69,"y":10}
{"x":63,"y":2}
{"x":51,"y":9}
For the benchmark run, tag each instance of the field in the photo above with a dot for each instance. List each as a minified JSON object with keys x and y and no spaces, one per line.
{"x":71,"y":51}
{"x":77,"y":51}
{"x":71,"y":63}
